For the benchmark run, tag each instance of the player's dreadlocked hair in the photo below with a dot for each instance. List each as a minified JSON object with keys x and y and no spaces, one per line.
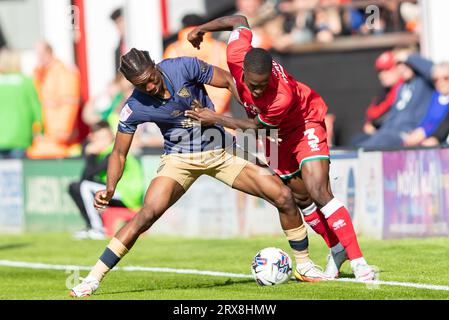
{"x":258,"y":61}
{"x":137,"y":66}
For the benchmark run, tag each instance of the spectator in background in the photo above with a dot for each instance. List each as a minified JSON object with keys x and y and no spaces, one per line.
{"x":410,"y":106}
{"x":328,"y":23}
{"x":390,"y":79}
{"x":129,"y":191}
{"x":20,"y":110}
{"x":297,"y":23}
{"x":428,"y":132}
{"x":108,"y":104}
{"x":119,"y":20}
{"x":440,"y":136}
{"x":353,"y":21}
{"x":212,"y":52}
{"x":258,"y":13}
{"x":410,"y":13}
{"x":376,"y":26}
{"x":59,"y":92}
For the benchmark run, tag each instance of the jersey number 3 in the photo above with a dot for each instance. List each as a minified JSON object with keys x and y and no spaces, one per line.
{"x":312,"y":139}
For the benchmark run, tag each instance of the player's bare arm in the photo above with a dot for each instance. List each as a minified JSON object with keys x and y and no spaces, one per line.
{"x":208,"y":117}
{"x":223,"y":79}
{"x":227,"y":23}
{"x":116,"y":166}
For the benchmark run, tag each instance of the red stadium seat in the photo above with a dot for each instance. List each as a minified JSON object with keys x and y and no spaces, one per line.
{"x":114,"y":217}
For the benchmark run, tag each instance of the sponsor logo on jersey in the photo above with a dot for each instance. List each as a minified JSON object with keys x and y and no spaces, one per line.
{"x":126,"y":113}
{"x":235,"y":35}
{"x":252,"y":109}
{"x":183,"y":92}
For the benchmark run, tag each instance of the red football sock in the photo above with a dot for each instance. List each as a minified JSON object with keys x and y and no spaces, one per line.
{"x":315,"y":219}
{"x":339,"y":221}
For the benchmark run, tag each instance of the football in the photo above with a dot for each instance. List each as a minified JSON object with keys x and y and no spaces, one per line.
{"x":271,"y":266}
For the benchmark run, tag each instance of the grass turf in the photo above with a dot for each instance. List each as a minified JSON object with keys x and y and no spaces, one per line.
{"x":418,"y":261}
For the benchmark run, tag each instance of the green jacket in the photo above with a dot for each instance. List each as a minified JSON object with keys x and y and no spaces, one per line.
{"x":19,"y":111}
{"x":130,"y":186}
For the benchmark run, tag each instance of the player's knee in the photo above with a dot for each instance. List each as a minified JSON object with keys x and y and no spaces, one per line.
{"x":321,"y":194}
{"x":302,"y":200}
{"x":284,"y":201}
{"x":146,"y":217}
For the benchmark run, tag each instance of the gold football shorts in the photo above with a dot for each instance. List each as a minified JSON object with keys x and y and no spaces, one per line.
{"x":221,"y":164}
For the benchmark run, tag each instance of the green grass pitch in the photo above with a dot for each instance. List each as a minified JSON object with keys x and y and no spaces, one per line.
{"x":421,"y":261}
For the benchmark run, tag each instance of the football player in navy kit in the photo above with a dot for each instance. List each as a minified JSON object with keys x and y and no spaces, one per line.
{"x":162,"y":94}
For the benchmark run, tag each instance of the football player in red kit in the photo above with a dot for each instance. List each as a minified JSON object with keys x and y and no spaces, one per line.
{"x":275,"y":100}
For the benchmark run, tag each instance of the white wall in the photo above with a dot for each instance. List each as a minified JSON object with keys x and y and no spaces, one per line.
{"x":20,"y":35}
{"x":435,"y":27}
{"x":102,"y":39}
{"x":57,"y":28}
{"x":144,"y":30}
{"x":177,"y":9}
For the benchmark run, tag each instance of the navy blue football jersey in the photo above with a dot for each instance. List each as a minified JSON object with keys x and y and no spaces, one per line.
{"x":185,"y":78}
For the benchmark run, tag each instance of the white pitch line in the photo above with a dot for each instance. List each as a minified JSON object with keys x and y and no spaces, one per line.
{"x":44,"y":266}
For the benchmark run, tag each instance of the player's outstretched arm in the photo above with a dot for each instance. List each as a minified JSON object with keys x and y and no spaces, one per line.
{"x":208,"y":117}
{"x":227,"y":23}
{"x":223,"y":79}
{"x":116,"y":165}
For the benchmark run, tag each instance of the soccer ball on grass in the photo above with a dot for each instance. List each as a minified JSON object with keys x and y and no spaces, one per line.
{"x":271,"y":266}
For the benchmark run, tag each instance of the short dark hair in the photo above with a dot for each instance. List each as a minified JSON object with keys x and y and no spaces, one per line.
{"x":117,"y":13}
{"x":258,"y":61}
{"x":135,"y":66}
{"x":103,"y":124}
{"x":192,"y":20}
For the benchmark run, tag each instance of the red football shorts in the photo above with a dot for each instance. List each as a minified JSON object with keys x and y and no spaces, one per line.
{"x":308,"y":143}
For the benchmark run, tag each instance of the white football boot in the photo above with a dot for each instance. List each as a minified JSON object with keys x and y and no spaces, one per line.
{"x":81,"y":235}
{"x":310,"y":273}
{"x":91,"y":234}
{"x":86,"y":288}
{"x":334,"y":263}
{"x":364,"y":272}
{"x":94,"y":234}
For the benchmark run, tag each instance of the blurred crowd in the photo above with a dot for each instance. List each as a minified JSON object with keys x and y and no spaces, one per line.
{"x":282,"y":24}
{"x":413,"y":107}
{"x":41,"y":115}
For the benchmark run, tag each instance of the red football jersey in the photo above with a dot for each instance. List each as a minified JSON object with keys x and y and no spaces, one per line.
{"x":286,"y":104}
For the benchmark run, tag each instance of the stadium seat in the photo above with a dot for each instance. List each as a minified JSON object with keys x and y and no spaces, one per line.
{"x":114,"y":217}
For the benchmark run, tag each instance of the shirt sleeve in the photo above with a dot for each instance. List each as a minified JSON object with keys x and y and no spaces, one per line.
{"x":434,"y":116}
{"x":198,"y":71}
{"x":442,"y":131}
{"x":238,"y":46}
{"x":129,"y":120}
{"x":276,"y":111}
